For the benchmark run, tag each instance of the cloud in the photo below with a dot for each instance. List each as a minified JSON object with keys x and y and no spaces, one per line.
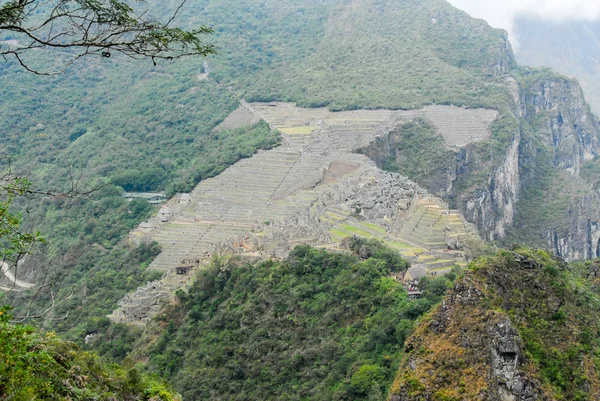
{"x":501,"y":13}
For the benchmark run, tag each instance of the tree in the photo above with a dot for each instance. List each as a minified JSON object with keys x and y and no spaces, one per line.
{"x":14,"y":243}
{"x":80,"y":28}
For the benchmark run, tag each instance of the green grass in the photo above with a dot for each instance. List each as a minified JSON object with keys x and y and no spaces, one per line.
{"x":374,"y":227}
{"x":356,"y":230}
{"x":339,"y":233}
{"x":335,"y":216}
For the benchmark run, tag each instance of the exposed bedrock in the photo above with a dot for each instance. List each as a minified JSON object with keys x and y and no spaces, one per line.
{"x":557,"y":110}
{"x":531,"y":188}
{"x":471,"y":345}
{"x":554,"y":118}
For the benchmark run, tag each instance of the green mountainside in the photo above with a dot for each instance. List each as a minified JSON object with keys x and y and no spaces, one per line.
{"x":317,"y":325}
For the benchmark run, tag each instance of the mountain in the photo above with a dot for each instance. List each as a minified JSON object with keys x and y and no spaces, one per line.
{"x":570,"y":47}
{"x":360,"y":127}
{"x":316,"y":325}
{"x":520,"y":325}
{"x":528,"y":175}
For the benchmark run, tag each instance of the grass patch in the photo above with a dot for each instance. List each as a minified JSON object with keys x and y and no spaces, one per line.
{"x":335,"y":216}
{"x":297,"y":130}
{"x":375,"y":227}
{"x":355,"y":230}
{"x":339,"y":233}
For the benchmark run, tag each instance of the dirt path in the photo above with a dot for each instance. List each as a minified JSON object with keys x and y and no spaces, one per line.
{"x":6,"y":271}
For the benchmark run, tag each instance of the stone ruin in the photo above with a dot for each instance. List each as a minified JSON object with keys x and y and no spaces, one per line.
{"x":313,"y":189}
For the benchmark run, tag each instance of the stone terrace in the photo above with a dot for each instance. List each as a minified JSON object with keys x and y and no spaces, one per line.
{"x":274,"y":186}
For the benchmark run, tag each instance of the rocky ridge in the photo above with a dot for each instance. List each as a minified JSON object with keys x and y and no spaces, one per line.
{"x":506,"y":331}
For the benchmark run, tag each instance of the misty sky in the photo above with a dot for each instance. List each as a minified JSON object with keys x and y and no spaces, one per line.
{"x":500,"y":13}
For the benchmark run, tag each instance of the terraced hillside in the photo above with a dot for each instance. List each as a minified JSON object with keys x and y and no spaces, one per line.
{"x":313,"y":189}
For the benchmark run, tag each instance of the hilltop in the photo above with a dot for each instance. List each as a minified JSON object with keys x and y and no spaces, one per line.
{"x":519,"y":325}
{"x":316,"y":325}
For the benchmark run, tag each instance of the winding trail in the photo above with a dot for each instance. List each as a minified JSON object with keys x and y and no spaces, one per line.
{"x":6,"y":271}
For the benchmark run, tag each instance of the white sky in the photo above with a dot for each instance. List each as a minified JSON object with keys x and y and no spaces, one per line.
{"x":500,"y":13}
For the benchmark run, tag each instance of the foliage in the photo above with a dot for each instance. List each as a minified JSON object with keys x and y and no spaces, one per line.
{"x":75,"y":29}
{"x":318,"y":325}
{"x":145,"y":180}
{"x":590,"y":171}
{"x":552,"y":306}
{"x":373,"y":248}
{"x":403,"y":152}
{"x":14,"y":242}
{"x":34,"y":366}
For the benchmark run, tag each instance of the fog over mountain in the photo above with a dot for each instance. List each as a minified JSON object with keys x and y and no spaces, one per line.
{"x":559,"y":34}
{"x":502,"y":13}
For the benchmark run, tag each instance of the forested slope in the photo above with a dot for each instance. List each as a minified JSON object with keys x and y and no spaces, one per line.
{"x":318,"y":325}
{"x":37,"y":366}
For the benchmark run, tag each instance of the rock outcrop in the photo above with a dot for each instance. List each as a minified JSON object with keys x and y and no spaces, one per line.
{"x":526,"y":184}
{"x":466,"y":352}
{"x":486,"y":342}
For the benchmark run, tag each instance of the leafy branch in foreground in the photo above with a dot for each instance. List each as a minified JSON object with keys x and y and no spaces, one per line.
{"x":14,"y":243}
{"x":34,"y":366}
{"x":79,"y":28}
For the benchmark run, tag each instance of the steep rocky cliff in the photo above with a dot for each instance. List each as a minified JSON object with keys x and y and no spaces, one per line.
{"x":536,"y":194}
{"x":523,"y":184}
{"x":560,"y":135}
{"x":517,"y":327}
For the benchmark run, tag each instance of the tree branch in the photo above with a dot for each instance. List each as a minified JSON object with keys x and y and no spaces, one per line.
{"x":96,"y":28}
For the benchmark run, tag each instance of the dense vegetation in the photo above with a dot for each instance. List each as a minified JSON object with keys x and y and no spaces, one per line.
{"x":36,"y":366}
{"x":554,"y":308}
{"x":318,"y":325}
{"x":403,"y":152}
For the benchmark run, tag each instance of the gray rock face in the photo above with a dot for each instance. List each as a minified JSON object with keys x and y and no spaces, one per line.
{"x":566,"y":126}
{"x":555,"y":110}
{"x":565,"y":121}
{"x":505,"y":347}
{"x":493,"y":208}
